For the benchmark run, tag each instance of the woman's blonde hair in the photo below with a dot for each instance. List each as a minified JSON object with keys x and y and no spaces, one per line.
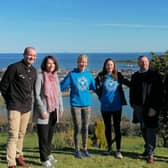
{"x":81,"y":56}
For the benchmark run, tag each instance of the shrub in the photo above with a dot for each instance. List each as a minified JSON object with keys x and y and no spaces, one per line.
{"x":63,"y":139}
{"x":99,"y":138}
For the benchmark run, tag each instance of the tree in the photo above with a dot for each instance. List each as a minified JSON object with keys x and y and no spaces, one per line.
{"x":160,"y":63}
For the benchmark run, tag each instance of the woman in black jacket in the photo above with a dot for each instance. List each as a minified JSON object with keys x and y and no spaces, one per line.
{"x":111,"y":95}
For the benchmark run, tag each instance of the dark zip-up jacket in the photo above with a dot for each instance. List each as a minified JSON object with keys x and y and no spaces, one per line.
{"x":17,"y":86}
{"x":146,"y":91}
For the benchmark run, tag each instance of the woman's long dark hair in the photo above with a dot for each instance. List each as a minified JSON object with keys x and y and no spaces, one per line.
{"x":104,"y":71}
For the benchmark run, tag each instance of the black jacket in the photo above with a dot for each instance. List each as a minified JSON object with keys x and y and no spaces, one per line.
{"x":121,"y":80}
{"x":146,"y":91}
{"x":17,"y":86}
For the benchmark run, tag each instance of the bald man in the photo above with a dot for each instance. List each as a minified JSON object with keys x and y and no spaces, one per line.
{"x":145,"y":98}
{"x":16,"y":87}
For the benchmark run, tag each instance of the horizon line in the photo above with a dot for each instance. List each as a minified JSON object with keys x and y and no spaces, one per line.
{"x":69,"y":52}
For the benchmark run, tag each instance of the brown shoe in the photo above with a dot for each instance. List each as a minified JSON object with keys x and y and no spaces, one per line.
{"x":20,"y":161}
{"x":12,"y":166}
{"x":150,"y":160}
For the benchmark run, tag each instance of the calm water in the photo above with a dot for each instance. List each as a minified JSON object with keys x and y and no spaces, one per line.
{"x":68,"y":60}
{"x":127,"y":111}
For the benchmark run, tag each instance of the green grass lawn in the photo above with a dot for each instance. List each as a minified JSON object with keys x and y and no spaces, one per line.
{"x":132,"y":147}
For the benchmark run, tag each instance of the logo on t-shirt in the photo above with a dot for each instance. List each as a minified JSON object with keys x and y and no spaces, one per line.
{"x":111,"y":85}
{"x":82,"y":83}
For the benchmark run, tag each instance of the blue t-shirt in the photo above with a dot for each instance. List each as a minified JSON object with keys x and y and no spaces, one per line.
{"x":110,"y":99}
{"x":80,"y":83}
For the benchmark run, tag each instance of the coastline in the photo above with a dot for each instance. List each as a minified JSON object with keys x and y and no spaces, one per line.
{"x":63,"y":72}
{"x":127,"y":72}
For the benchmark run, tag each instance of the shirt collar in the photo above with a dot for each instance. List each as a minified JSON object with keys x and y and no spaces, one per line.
{"x":143,"y":71}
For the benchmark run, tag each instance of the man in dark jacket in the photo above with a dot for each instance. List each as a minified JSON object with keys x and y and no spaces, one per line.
{"x":145,"y":98}
{"x":16,"y":87}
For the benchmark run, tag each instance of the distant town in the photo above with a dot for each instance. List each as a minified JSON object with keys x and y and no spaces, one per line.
{"x":63,"y":72}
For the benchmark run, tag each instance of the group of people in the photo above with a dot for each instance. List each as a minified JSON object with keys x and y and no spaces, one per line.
{"x":25,"y":90}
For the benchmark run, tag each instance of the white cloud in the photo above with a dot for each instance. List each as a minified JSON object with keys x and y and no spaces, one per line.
{"x":138,"y":26}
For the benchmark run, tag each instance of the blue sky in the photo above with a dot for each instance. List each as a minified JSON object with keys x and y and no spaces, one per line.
{"x":84,"y":25}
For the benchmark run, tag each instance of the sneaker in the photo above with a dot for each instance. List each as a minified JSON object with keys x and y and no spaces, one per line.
{"x":52,"y":159}
{"x":108,"y":152}
{"x":12,"y":166}
{"x":20,"y":161}
{"x":150,"y":160}
{"x":85,"y":153}
{"x":78,"y":154}
{"x":47,"y":164}
{"x":119,"y":155}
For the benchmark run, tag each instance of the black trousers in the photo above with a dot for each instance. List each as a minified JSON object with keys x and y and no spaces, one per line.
{"x":149,"y":136}
{"x":107,"y":116}
{"x":45,"y":135}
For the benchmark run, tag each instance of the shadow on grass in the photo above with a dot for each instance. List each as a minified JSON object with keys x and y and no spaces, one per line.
{"x":70,"y":151}
{"x":132,"y":155}
{"x":161,"y":158}
{"x":28,"y":157}
{"x":64,"y":151}
{"x":31,"y":150}
{"x":3,"y":153}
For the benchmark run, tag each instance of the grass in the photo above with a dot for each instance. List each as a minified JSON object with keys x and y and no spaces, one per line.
{"x":132,"y":147}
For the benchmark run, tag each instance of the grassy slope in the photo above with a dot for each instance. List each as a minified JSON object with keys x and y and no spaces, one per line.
{"x":132,"y":147}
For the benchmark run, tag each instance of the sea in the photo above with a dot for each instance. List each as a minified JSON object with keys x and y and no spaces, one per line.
{"x":95,"y":62}
{"x":68,"y":60}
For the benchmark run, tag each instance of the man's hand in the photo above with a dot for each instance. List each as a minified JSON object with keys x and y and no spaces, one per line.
{"x":44,"y":115}
{"x":61,"y":115}
{"x":151,"y":112}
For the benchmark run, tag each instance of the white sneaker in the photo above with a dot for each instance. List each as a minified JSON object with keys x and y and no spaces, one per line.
{"x":47,"y":164}
{"x":119,"y":155}
{"x":52,"y":159}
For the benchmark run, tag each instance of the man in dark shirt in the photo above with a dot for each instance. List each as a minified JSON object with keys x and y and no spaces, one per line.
{"x":16,"y":87}
{"x":145,"y":98}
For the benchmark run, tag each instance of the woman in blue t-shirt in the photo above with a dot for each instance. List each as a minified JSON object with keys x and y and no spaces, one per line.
{"x":81,"y":82}
{"x":110,"y":92}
